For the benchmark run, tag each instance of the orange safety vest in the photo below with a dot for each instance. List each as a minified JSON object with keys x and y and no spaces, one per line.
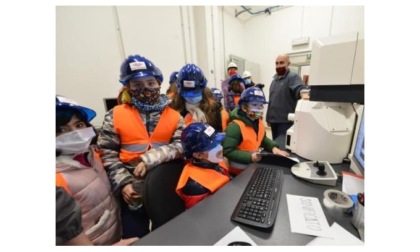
{"x":208,"y":178}
{"x":250,"y":142}
{"x":236,"y":99}
{"x":225,"y":118}
{"x":135,"y":139}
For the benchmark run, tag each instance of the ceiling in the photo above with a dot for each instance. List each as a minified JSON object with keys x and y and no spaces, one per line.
{"x":251,"y":11}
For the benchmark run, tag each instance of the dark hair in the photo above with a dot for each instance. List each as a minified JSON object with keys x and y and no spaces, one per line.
{"x":260,"y":86}
{"x":63,"y":117}
{"x":235,"y":86}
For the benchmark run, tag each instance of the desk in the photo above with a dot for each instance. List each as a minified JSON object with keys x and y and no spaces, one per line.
{"x":209,"y":220}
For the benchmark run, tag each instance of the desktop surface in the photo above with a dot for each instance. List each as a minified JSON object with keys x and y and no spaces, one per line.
{"x":209,"y":220}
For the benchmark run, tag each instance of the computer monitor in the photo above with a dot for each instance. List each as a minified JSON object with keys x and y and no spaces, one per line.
{"x":357,"y":154}
{"x":110,"y":103}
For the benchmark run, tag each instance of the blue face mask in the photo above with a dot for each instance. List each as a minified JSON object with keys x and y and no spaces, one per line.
{"x":247,"y":81}
{"x":194,"y":101}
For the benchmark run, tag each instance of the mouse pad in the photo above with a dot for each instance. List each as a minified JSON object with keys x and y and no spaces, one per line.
{"x":236,"y":237}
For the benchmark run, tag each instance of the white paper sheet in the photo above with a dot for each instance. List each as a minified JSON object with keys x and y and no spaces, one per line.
{"x":341,"y":238}
{"x":237,"y":234}
{"x":306,"y":216}
{"x":352,"y":183}
{"x":294,"y":159}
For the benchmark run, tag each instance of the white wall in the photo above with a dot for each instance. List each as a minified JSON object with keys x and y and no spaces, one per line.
{"x":155,"y":33}
{"x":88,"y":56}
{"x":270,"y":35}
{"x":201,"y":38}
{"x":93,"y":41}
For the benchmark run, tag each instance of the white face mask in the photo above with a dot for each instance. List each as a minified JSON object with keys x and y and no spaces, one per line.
{"x":213,"y":154}
{"x":75,"y":142}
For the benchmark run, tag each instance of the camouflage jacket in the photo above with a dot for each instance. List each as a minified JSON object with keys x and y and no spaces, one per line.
{"x":109,"y":144}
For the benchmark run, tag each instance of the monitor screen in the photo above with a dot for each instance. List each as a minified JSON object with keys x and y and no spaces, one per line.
{"x":110,"y":103}
{"x":359,"y":150}
{"x":357,"y":153}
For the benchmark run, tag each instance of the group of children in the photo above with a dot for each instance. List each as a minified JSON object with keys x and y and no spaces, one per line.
{"x":104,"y":171}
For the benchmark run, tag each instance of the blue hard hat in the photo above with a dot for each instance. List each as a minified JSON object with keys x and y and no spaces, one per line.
{"x":252,"y":94}
{"x":200,"y":137}
{"x":217,"y":93}
{"x":191,"y":81}
{"x":236,"y":77}
{"x":136,"y":66}
{"x":173,"y":77}
{"x":64,"y":102}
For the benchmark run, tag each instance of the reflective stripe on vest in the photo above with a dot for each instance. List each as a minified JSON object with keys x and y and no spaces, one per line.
{"x":250,"y":143}
{"x":135,"y":139}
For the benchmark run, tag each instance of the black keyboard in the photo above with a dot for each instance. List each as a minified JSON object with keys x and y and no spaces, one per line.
{"x":259,"y":202}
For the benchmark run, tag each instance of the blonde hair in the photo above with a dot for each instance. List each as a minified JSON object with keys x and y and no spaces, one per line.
{"x":125,"y":96}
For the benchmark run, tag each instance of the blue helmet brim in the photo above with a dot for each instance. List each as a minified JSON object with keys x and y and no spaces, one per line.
{"x":90,"y":114}
{"x":192,"y":93}
{"x":141,"y":74}
{"x":217,"y":140}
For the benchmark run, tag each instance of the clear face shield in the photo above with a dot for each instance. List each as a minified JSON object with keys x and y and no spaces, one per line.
{"x":255,"y":110}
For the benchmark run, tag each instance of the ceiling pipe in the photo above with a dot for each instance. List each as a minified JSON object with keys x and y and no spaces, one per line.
{"x":266,"y":10}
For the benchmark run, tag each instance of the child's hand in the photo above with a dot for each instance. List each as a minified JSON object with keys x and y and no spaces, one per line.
{"x":128,"y":193}
{"x":256,"y":157}
{"x":140,"y":170}
{"x":125,"y":242}
{"x":277,"y":151}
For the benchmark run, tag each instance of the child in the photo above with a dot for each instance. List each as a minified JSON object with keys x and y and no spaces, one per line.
{"x":236,"y":87}
{"x":205,"y":172}
{"x":172,"y":90}
{"x":195,"y":101}
{"x":246,"y":134}
{"x":80,"y":172}
{"x":136,"y":136}
{"x":218,"y":96}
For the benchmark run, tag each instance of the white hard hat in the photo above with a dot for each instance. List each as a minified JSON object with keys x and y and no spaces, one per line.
{"x":246,"y":74}
{"x":232,"y":64}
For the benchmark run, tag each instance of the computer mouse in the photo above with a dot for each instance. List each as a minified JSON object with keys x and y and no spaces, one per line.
{"x":239,"y":243}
